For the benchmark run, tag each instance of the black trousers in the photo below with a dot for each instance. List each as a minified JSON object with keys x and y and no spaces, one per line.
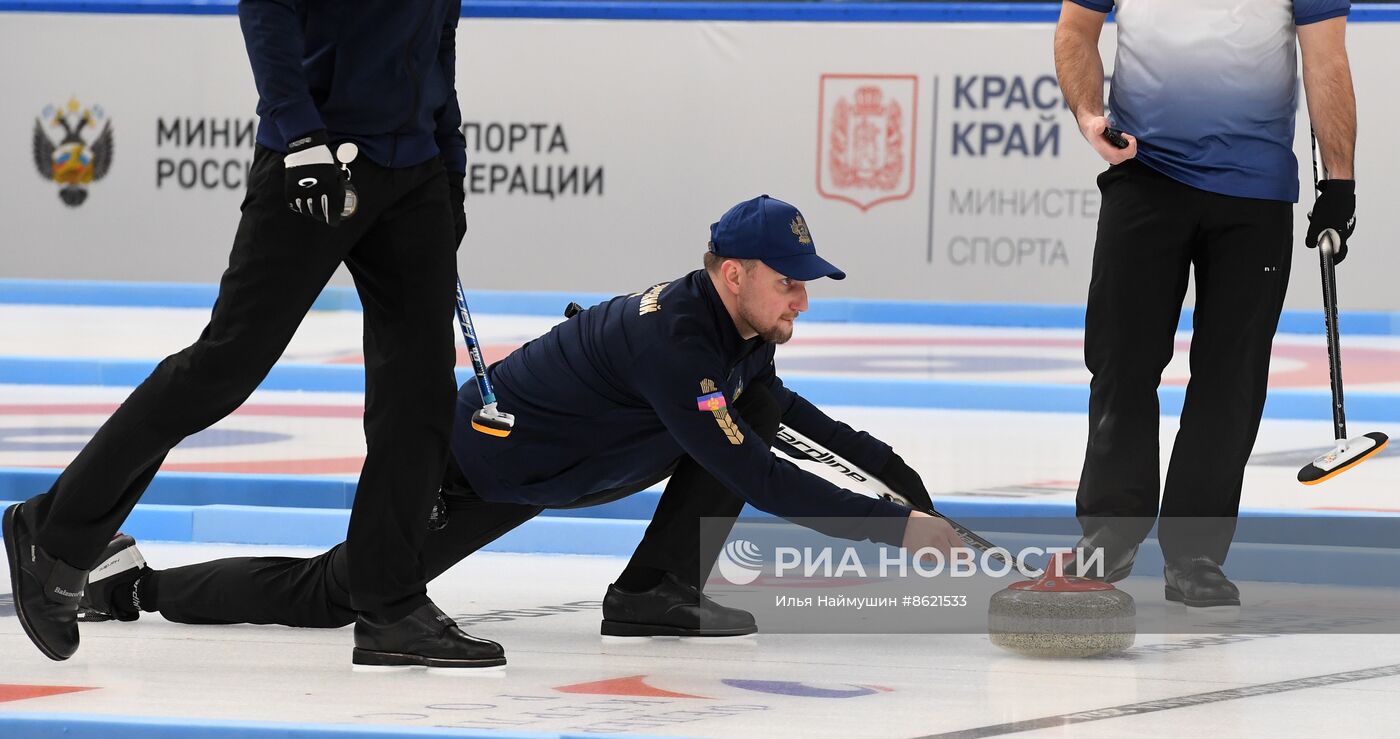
{"x":1152,"y":231}
{"x":312,"y":591}
{"x":400,"y":249}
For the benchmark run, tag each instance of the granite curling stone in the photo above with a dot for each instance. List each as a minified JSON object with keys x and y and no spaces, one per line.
{"x":1058,"y":616}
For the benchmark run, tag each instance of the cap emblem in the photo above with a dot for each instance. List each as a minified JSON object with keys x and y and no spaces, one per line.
{"x":799,"y":229}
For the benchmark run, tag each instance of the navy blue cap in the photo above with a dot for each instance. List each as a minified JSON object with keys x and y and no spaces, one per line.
{"x":773,"y":232}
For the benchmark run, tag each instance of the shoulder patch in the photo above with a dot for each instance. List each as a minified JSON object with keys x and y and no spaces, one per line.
{"x":713,"y":401}
{"x":651,"y":299}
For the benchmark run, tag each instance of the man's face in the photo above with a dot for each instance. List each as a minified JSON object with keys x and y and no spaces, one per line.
{"x":769,"y":302}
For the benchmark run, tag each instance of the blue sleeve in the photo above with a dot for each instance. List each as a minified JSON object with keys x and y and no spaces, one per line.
{"x":272,"y":34}
{"x":1312,"y":11}
{"x":1098,"y":6}
{"x":857,"y":447}
{"x":451,"y":143}
{"x":728,"y":449}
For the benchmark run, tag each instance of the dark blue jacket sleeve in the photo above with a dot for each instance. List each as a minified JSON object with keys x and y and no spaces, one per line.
{"x":451,"y":143}
{"x":272,"y":34}
{"x":728,"y":449}
{"x":858,"y":447}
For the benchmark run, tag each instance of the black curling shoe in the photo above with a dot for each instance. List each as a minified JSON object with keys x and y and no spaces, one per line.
{"x":672,"y":608}
{"x":1118,"y":556}
{"x":111,"y":592}
{"x":46,"y":590}
{"x":426,"y":637}
{"x":1198,"y":582}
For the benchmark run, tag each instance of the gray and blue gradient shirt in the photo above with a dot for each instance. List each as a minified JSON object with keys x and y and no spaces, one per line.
{"x":1209,"y":88}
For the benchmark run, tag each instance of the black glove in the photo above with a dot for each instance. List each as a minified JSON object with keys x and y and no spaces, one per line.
{"x":457,"y":198}
{"x":902,"y":479}
{"x":1335,"y":208}
{"x":314,"y":183}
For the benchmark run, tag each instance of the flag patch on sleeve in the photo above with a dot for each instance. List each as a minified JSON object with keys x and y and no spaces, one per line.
{"x":712,"y":402}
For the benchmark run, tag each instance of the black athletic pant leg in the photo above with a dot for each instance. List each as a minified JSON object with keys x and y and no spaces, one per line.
{"x":673,"y":541}
{"x":405,"y":271}
{"x":1242,"y":269}
{"x":278,"y":265}
{"x":315,"y":591}
{"x":472,"y":523}
{"x":293,"y":591}
{"x":1142,"y":255}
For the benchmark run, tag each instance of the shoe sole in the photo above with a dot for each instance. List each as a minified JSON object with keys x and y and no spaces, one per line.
{"x":374,"y":658}
{"x":12,"y":556}
{"x":127,"y":558}
{"x":476,"y":672}
{"x":623,"y":628}
{"x":1174,"y":595}
{"x":93,"y":616}
{"x":1112,"y":576}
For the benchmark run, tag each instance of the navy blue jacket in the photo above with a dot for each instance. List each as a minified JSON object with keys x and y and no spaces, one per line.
{"x":617,"y":394}
{"x":378,"y":72}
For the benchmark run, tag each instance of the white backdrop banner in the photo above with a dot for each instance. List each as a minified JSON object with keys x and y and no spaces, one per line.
{"x":934,"y":161}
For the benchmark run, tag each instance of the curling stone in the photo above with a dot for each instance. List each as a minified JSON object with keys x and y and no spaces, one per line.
{"x":1059,"y":616}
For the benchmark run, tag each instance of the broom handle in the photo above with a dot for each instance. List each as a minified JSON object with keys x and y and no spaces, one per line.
{"x":1327,"y":243}
{"x":795,"y":444}
{"x":1326,"y":247}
